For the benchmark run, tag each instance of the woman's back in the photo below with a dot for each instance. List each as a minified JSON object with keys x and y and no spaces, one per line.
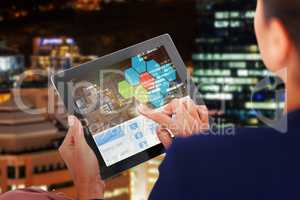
{"x":255,"y":163}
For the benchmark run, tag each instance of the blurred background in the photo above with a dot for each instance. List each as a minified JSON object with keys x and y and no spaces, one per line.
{"x":215,"y":38}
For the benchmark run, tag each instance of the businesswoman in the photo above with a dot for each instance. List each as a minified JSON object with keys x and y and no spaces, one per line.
{"x":255,"y":164}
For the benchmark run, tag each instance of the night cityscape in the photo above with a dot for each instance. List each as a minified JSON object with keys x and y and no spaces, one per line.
{"x":215,"y":39}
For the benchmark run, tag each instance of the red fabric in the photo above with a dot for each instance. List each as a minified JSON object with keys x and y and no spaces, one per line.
{"x":33,"y":194}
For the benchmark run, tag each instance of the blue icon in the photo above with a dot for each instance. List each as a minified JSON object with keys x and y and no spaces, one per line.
{"x":109,"y":136}
{"x":143,"y":145}
{"x":163,"y":85}
{"x":170,"y":73}
{"x":132,"y":77}
{"x":153,"y":68}
{"x":156,"y":98}
{"x":138,"y":135}
{"x":152,"y":127}
{"x":134,"y":126}
{"x":158,"y":103}
{"x":138,"y":64}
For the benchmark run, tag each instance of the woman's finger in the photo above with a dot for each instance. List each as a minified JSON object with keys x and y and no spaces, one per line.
{"x":182,"y":120}
{"x":203,"y":113}
{"x":159,"y":117}
{"x":191,"y":107}
{"x":79,"y":135}
{"x":69,"y":138}
{"x":164,"y":136}
{"x":171,"y":107}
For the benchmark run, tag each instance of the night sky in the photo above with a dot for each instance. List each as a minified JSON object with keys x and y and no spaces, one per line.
{"x":113,"y":27}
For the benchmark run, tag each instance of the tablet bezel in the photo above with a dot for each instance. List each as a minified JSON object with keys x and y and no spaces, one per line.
{"x":109,"y":60}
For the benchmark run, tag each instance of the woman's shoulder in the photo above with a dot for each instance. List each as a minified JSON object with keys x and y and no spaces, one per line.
{"x":225,"y":142}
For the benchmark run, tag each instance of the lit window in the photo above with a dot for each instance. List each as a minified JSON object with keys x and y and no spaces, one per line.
{"x":243,"y":72}
{"x":218,"y":96}
{"x":210,"y":88}
{"x":237,"y":64}
{"x":235,"y":24}
{"x":234,"y":14}
{"x":221,"y":24}
{"x":221,"y":15}
{"x":250,"y":14}
{"x":227,"y":56}
{"x":264,"y":105}
{"x":212,"y":72}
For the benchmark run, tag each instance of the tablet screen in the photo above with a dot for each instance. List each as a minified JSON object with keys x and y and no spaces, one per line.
{"x":108,"y":99}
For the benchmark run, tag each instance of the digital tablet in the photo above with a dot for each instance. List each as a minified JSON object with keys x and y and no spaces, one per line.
{"x":104,"y":95}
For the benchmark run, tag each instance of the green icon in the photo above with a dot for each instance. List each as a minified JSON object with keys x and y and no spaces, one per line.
{"x":141,"y":94}
{"x":125,"y":89}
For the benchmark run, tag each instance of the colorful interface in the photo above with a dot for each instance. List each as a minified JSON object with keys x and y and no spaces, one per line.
{"x":108,"y":102}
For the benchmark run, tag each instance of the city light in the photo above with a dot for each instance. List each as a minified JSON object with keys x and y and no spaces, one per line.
{"x":215,"y":38}
{"x":227,"y":61}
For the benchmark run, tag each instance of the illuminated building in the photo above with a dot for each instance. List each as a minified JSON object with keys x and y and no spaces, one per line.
{"x":134,"y":184}
{"x":227,"y":63}
{"x":87,"y":5}
{"x":144,"y":177}
{"x":11,"y":64}
{"x":29,"y":157}
{"x":28,"y":143}
{"x":56,"y":53}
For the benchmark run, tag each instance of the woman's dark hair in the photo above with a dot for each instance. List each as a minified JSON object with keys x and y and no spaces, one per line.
{"x":287,"y":11}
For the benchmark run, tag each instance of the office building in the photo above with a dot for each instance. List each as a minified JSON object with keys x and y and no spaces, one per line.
{"x":227,"y":62}
{"x":29,"y":157}
{"x":28,"y":148}
{"x":56,"y":53}
{"x":143,"y":178}
{"x":28,"y":144}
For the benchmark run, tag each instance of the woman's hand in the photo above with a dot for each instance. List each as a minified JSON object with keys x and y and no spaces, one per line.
{"x":182,"y":117}
{"x":81,"y":162}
